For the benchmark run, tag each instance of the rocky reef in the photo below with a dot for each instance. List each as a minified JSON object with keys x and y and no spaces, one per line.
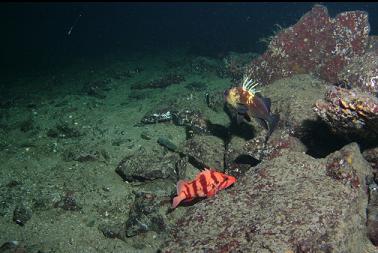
{"x":362,"y":71}
{"x":336,"y":50}
{"x":349,"y":111}
{"x":113,"y":158}
{"x":292,"y":203}
{"x":316,"y":44}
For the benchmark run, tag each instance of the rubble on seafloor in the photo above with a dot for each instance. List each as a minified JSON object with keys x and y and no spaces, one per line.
{"x":145,"y":216}
{"x":193,"y":120}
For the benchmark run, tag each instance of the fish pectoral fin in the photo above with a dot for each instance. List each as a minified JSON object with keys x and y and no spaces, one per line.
{"x":241,"y":108}
{"x":263,"y":123}
{"x":213,"y":191}
{"x":239,"y":118}
{"x":187,"y":200}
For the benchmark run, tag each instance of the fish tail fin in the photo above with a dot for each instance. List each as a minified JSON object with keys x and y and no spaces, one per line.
{"x":176,"y":201}
{"x":272,"y":122}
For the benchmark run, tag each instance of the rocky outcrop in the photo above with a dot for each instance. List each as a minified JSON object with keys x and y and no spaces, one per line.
{"x":349,"y":111}
{"x":316,"y":44}
{"x":291,"y":203}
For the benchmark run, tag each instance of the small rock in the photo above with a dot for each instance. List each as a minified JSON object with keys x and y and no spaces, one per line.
{"x":167,"y":143}
{"x":144,"y":216}
{"x":63,"y":130}
{"x":68,"y":202}
{"x":206,"y":150}
{"x":22,"y":214}
{"x":9,"y":246}
{"x":85,"y":154}
{"x":143,"y":165}
{"x":113,"y":231}
{"x":157,"y":116}
{"x":145,"y":136}
{"x":27,"y":125}
{"x":372,"y":213}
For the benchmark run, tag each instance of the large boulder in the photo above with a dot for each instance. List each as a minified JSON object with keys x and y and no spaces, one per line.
{"x":349,"y":111}
{"x":159,"y":165}
{"x":362,"y":71}
{"x":316,"y":44}
{"x":291,"y":203}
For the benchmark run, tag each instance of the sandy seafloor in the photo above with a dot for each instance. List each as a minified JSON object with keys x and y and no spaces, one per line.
{"x":35,"y":172}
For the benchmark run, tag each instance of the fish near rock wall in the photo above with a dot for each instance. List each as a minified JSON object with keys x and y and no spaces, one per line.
{"x":317,"y":44}
{"x":292,"y":203}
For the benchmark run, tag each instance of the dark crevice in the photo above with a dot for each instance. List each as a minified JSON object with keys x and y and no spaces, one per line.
{"x":242,"y":130}
{"x":320,"y":140}
{"x":195,"y":163}
{"x":247,"y":159}
{"x":219,"y":131}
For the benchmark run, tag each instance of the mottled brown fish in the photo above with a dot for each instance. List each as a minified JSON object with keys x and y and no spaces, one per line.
{"x":249,"y":103}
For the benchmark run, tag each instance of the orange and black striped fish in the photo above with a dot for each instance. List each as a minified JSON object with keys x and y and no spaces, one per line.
{"x":206,"y":184}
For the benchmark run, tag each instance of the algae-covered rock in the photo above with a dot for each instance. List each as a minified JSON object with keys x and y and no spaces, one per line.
{"x":288,"y":204}
{"x":167,"y":143}
{"x":143,"y":165}
{"x":240,"y":156}
{"x":21,"y":214}
{"x":206,"y":151}
{"x":144,"y":215}
{"x":323,"y":50}
{"x":349,"y":112}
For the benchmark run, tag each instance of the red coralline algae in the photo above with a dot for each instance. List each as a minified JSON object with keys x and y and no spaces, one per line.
{"x":349,"y":111}
{"x":340,"y":169}
{"x":316,"y":44}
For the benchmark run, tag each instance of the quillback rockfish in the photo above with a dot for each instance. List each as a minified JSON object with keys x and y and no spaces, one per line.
{"x":249,"y":103}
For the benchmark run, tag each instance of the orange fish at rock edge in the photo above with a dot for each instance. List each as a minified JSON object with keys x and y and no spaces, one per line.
{"x":206,"y":184}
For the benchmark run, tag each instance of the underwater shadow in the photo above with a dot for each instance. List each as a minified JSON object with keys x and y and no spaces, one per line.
{"x":320,"y":140}
{"x":246,"y":160}
{"x":242,"y":130}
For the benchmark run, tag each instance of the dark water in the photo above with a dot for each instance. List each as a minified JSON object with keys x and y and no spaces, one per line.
{"x":34,"y":36}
